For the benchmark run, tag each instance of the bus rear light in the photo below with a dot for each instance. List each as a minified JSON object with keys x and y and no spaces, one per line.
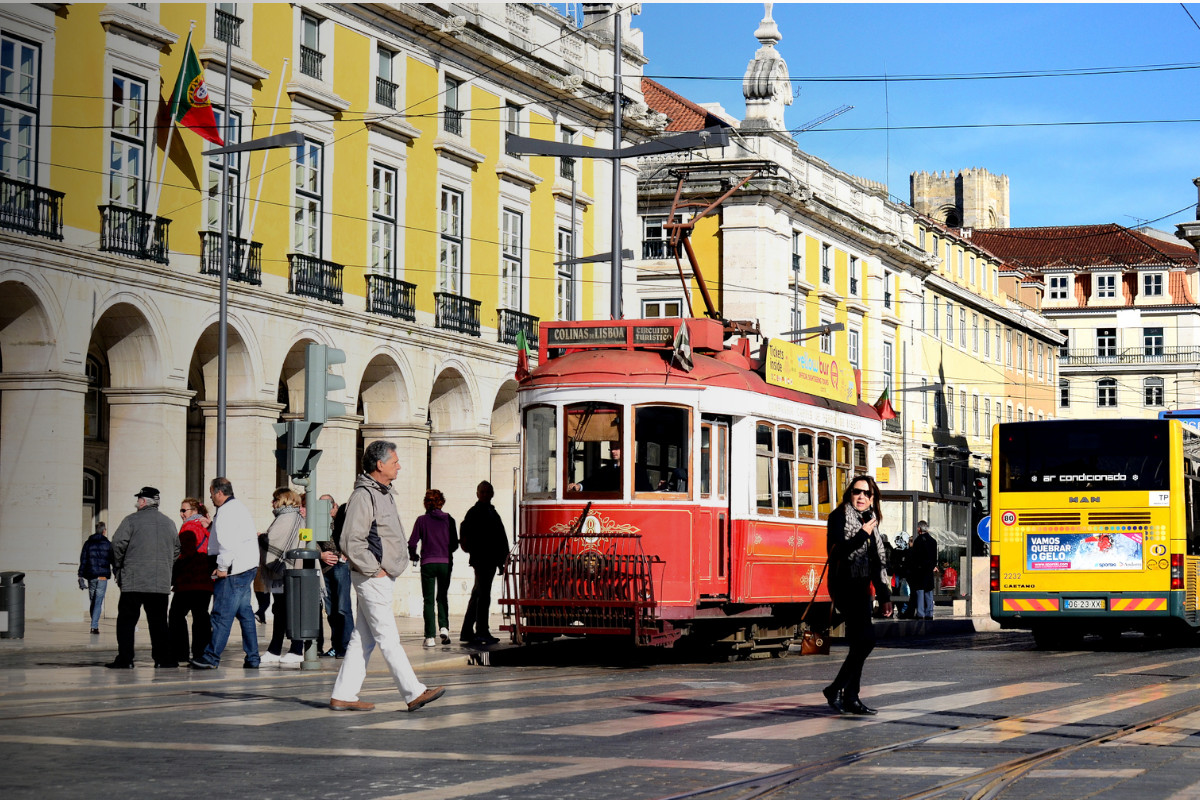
{"x":1177,"y":571}
{"x":995,"y":574}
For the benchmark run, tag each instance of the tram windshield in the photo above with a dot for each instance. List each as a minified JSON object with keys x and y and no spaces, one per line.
{"x":593,"y":445}
{"x":662,"y":434}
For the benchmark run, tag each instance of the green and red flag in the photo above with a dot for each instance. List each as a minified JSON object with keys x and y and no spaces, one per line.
{"x":884,"y":406}
{"x":190,"y":104}
{"x":522,"y":356}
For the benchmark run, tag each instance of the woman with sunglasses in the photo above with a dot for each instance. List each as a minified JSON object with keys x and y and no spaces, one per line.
{"x":856,"y":562}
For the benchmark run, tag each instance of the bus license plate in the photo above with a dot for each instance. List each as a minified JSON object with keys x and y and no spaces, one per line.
{"x":1086,"y":603}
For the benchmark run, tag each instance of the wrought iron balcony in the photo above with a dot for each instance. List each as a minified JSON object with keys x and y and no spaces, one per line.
{"x":1151,"y":354}
{"x":510,"y":323}
{"x":566,"y":168}
{"x":245,"y":258}
{"x":892,"y":425}
{"x":313,"y":277}
{"x":452,"y":121}
{"x":391,"y":297}
{"x":310,"y":62}
{"x":30,"y":209}
{"x":227,"y":27}
{"x":797,"y":262}
{"x":456,"y":313}
{"x":127,"y":230}
{"x":826,"y":274}
{"x":887,"y":300}
{"x":854,"y":286}
{"x":385,"y":92}
{"x":658,"y":248}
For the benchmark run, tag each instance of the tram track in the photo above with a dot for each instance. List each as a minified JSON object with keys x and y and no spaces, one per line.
{"x":996,"y":779}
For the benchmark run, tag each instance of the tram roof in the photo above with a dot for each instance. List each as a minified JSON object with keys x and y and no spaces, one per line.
{"x":653,"y":366}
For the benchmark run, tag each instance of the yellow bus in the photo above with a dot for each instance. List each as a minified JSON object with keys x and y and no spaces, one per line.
{"x":1095,"y":527}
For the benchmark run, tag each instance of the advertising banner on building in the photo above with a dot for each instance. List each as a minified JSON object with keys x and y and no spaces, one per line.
{"x":1083,"y":551}
{"x":793,"y":367}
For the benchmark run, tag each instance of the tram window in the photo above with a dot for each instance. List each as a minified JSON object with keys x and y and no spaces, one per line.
{"x":662,"y":435}
{"x":785,"y":462}
{"x":843,"y":465}
{"x":722,"y":461}
{"x":593,"y":436}
{"x":826,"y":499}
{"x":705,"y":460}
{"x":541,"y":451}
{"x":763,"y":449}
{"x":804,"y":474}
{"x":860,"y":458}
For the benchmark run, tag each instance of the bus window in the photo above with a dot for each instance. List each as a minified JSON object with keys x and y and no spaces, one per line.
{"x":785,"y":462}
{"x":593,"y":445}
{"x":662,"y":435}
{"x":762,"y":461}
{"x":705,"y":460}
{"x":826,"y":493}
{"x":541,"y":452}
{"x":1076,"y":455}
{"x":804,"y":474}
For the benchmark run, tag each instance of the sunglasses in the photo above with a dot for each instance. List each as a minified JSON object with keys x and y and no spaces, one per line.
{"x":185,"y":511}
{"x":864,"y":492}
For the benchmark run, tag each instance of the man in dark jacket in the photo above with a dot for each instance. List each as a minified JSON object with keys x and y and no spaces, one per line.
{"x":95,"y":568}
{"x":145,"y":547}
{"x":482,"y":535}
{"x":922,"y":563}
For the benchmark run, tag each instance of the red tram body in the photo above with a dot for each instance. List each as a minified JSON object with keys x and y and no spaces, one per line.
{"x":658,"y":502}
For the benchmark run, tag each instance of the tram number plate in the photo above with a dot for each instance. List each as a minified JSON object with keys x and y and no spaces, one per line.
{"x":1086,"y":603}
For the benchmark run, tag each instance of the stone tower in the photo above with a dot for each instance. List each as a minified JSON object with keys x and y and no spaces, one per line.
{"x":973,"y":198}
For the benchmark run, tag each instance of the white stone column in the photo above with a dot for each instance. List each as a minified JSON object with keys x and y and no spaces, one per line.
{"x":506,"y":457}
{"x":147,"y":446}
{"x":249,"y":453}
{"x":459,"y":462}
{"x":41,"y":490}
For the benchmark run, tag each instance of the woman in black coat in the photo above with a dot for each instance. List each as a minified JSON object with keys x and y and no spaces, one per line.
{"x":856,"y":562}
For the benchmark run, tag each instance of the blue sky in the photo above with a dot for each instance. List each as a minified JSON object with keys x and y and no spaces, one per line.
{"x":1059,"y":175}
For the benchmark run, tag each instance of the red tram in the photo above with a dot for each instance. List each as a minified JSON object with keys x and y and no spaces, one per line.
{"x":658,"y":502}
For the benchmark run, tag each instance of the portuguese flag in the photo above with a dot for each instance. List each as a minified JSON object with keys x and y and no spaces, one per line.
{"x":522,"y":356}
{"x":189,"y":101}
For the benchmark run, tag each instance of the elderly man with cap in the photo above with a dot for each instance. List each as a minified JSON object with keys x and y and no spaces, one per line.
{"x":144,"y":550}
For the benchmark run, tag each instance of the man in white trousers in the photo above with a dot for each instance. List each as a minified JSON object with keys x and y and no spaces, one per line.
{"x":375,"y":545}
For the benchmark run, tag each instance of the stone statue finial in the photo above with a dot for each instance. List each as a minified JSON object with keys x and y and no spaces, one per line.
{"x":766,"y":85}
{"x":768,"y":32}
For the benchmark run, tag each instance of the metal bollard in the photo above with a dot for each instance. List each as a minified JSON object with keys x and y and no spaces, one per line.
{"x":302,"y":593}
{"x":12,"y":605}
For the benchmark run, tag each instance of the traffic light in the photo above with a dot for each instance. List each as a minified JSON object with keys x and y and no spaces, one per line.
{"x":319,"y":382}
{"x":297,"y":454}
{"x":979,"y":497}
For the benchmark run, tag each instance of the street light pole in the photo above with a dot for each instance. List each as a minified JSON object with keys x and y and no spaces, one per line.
{"x":618,"y":92}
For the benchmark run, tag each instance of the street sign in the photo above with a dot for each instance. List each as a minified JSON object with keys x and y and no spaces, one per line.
{"x":984,"y":529}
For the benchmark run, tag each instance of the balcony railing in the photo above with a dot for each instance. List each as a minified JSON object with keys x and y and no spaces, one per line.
{"x":854,"y":286}
{"x":826,"y":274}
{"x":892,"y":425}
{"x":658,"y":248}
{"x":566,"y":168}
{"x":314,"y":277}
{"x":30,"y":209}
{"x":245,"y":258}
{"x":227,"y":27}
{"x":452,"y":121}
{"x":797,"y":262}
{"x":510,"y":323}
{"x":310,"y":62}
{"x":456,"y":313}
{"x":385,"y":92}
{"x":124,"y":230}
{"x":1183,"y":354}
{"x":391,"y":297}
{"x":887,"y":300}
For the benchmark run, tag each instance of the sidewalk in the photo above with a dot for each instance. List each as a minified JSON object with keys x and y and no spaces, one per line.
{"x":69,"y":637}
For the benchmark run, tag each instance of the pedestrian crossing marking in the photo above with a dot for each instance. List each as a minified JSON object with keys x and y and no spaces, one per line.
{"x":1169,"y":733}
{"x":453,"y":698}
{"x":802,"y":729}
{"x":667,"y":719}
{"x":476,"y":716}
{"x":1152,"y":667}
{"x":1005,"y":729}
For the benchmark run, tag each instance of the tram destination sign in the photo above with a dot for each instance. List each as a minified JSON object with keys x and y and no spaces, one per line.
{"x":794,"y":367}
{"x":654,"y":335}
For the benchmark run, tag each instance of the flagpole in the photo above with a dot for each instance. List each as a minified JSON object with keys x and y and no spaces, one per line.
{"x":162,"y":170}
{"x":262,"y":173}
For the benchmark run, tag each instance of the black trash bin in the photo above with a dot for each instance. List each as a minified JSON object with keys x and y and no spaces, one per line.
{"x":302,"y":593}
{"x":12,"y":602}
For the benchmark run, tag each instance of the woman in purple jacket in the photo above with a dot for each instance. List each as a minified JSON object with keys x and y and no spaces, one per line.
{"x":437,"y":534}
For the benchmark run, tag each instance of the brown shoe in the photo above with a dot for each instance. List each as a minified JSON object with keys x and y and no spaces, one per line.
{"x":350,"y":705}
{"x":427,"y":697}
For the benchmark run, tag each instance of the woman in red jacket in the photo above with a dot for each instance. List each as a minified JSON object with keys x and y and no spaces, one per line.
{"x":193,"y":584}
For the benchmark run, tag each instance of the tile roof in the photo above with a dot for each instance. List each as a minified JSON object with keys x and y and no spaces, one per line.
{"x":1082,"y":246}
{"x":683,"y":113}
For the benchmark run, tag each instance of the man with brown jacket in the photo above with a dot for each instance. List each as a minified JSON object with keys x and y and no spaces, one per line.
{"x":375,"y":545}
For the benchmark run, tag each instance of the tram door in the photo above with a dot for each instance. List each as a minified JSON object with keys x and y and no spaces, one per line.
{"x":712,"y":523}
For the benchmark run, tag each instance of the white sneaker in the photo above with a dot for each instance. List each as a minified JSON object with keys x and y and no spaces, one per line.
{"x":291,"y":660}
{"x":268,"y":660}
{"x":431,"y":642}
{"x":445,"y":634}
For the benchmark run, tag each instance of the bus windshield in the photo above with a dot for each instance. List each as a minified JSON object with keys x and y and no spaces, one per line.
{"x":1091,"y":455}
